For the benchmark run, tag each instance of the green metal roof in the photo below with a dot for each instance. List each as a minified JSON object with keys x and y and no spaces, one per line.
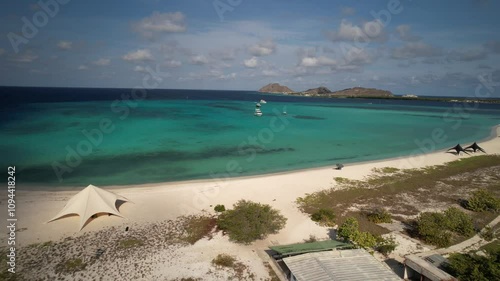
{"x":317,"y":246}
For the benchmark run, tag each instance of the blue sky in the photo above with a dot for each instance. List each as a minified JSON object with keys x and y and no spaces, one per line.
{"x":419,"y":47}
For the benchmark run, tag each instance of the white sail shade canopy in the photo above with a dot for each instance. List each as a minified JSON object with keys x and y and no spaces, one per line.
{"x":90,"y":201}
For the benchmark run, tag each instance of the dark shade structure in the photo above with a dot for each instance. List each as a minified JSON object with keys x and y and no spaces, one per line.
{"x":474,"y":147}
{"x":458,"y":148}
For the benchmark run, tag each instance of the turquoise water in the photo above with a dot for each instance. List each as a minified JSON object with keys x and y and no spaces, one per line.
{"x":181,"y":139}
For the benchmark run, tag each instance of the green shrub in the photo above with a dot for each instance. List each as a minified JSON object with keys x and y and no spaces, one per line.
{"x":219,"y":208}
{"x":224,"y":260}
{"x":437,"y":228}
{"x":487,"y":234}
{"x":483,"y":200}
{"x":380,"y":216}
{"x":365,"y":240}
{"x":469,"y":267}
{"x":325,"y":217}
{"x":349,"y":229}
{"x":459,"y":222}
{"x":249,"y":221}
{"x":386,"y":245}
{"x":430,"y":228}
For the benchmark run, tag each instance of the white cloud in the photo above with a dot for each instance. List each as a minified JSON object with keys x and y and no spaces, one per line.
{"x":415,"y":50}
{"x":82,"y":67}
{"x":102,"y":62}
{"x":264,"y":48}
{"x":160,"y":23}
{"x":199,"y":60}
{"x":172,"y":63}
{"x":139,"y":55}
{"x":65,"y":45}
{"x":317,"y":61}
{"x":404,"y":33}
{"x":368,"y":32}
{"x":227,"y":76}
{"x":251,"y":63}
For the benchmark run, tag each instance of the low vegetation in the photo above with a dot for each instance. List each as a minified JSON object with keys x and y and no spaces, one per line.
{"x":249,"y":221}
{"x":406,"y":193}
{"x":472,"y":267}
{"x":224,"y":260}
{"x":198,"y":227}
{"x":130,"y":243}
{"x":272,"y":275}
{"x":349,"y":231}
{"x":483,"y":201}
{"x":324,"y":217}
{"x":71,"y":266}
{"x":219,"y":208}
{"x":386,"y":246}
{"x":379,"y":216}
{"x":4,"y":266}
{"x":439,"y":229}
{"x":240,"y":271}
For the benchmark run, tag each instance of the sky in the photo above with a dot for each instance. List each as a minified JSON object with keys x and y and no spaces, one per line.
{"x":443,"y":48}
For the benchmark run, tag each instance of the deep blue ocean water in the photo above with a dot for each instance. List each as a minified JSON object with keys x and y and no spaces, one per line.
{"x":63,"y":137}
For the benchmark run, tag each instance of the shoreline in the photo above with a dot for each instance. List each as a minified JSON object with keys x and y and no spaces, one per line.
{"x":154,"y":204}
{"x":494,"y":133}
{"x":164,"y":201}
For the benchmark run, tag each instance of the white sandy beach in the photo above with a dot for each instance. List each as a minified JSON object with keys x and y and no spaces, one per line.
{"x":159,"y":202}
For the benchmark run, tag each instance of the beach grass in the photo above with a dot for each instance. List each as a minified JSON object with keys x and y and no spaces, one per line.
{"x":71,"y":265}
{"x":240,"y":270}
{"x":405,"y":193}
{"x":130,"y":243}
{"x":224,"y":260}
{"x":272,"y":275}
{"x":198,"y":227}
{"x":491,"y":247}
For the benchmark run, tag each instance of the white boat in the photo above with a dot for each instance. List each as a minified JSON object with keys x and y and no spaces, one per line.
{"x":258,"y":112}
{"x":263,"y":101}
{"x":257,"y":105}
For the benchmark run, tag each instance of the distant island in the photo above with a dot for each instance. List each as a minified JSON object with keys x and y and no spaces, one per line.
{"x":348,"y":93}
{"x":325,"y":92}
{"x":276,"y":88}
{"x":360,"y":93}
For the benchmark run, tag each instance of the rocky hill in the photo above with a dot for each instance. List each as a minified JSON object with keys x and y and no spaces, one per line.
{"x":318,"y":91}
{"x":362,"y":92}
{"x":275,"y":88}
